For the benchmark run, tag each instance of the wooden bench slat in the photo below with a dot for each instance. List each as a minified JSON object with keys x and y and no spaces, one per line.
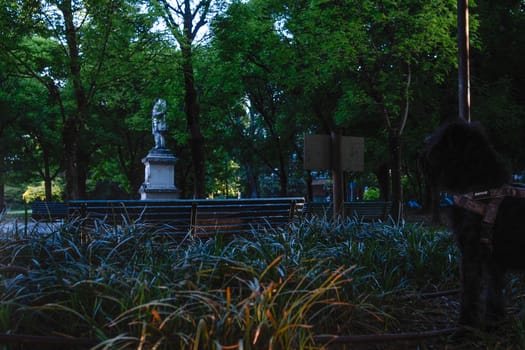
{"x":366,"y":210}
{"x":48,"y":211}
{"x":201,"y":216}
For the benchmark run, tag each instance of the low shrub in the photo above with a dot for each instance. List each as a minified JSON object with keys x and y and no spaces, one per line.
{"x":273,"y":289}
{"x":37,"y":192}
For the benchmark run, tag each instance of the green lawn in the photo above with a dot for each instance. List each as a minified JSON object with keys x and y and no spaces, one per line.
{"x":18,"y":213}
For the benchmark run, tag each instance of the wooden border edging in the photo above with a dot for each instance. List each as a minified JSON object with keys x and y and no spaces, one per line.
{"x":382,"y":338}
{"x":325,"y":339}
{"x":46,"y":340}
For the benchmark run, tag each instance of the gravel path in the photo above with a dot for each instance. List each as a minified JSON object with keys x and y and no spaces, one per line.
{"x":14,"y":226}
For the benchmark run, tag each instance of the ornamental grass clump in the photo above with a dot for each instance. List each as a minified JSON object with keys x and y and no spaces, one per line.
{"x":130,"y":287}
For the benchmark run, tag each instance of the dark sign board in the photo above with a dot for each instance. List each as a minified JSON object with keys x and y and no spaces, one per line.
{"x":317,"y":153}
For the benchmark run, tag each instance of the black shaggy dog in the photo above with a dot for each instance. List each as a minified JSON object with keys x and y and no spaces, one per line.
{"x":487,"y":217}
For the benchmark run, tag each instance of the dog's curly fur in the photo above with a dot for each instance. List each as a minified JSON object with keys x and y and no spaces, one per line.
{"x":459,"y":158}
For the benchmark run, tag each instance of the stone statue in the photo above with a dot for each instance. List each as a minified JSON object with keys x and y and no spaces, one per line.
{"x":158,"y":123}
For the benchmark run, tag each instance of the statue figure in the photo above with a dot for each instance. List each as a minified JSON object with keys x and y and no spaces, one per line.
{"x":158,"y":123}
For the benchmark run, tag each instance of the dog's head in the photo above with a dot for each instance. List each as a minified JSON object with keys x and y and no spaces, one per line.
{"x":459,"y":158}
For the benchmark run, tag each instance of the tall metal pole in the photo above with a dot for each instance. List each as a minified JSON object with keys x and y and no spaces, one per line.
{"x":337,"y":174}
{"x":463,"y":61}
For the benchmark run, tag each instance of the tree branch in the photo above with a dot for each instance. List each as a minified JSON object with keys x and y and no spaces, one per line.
{"x":203,"y":16}
{"x":102,"y":56}
{"x":170,"y":20}
{"x":407,"y":100}
{"x":56,"y":32}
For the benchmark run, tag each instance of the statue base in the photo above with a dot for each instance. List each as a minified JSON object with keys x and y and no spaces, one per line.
{"x":159,"y":178}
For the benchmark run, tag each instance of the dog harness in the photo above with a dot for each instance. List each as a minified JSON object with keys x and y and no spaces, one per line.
{"x":486,"y":204}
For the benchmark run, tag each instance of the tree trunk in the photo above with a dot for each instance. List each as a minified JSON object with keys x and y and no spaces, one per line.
{"x":48,"y":179}
{"x":70,"y":135}
{"x":309,"y":187}
{"x":283,"y":174}
{"x":192,"y":110}
{"x":250,"y":190}
{"x":48,"y":185}
{"x":283,"y":182}
{"x":394,"y":141}
{"x":383,"y":178}
{"x":75,"y":161}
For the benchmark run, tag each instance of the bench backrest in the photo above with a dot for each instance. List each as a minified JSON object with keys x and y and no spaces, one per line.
{"x":363,"y":210}
{"x":48,"y":210}
{"x":200,"y":216}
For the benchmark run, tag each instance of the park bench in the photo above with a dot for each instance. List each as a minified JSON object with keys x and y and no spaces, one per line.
{"x":362,"y":210}
{"x":48,"y":211}
{"x":199,"y":216}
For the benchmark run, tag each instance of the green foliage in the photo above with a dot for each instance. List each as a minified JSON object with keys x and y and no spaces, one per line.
{"x":37,"y":192}
{"x":260,"y":124}
{"x":271,"y":71}
{"x":371,"y":193}
{"x":496,"y":98}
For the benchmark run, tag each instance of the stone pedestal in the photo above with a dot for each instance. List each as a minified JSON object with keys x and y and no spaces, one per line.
{"x":159,"y":179}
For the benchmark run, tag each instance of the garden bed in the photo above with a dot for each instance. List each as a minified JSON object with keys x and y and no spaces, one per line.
{"x":275,"y":289}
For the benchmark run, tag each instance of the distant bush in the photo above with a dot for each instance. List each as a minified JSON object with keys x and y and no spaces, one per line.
{"x":37,"y":192}
{"x":371,"y":193}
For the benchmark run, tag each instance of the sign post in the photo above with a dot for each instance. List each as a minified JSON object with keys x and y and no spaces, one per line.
{"x":337,"y":174}
{"x":336,"y":153}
